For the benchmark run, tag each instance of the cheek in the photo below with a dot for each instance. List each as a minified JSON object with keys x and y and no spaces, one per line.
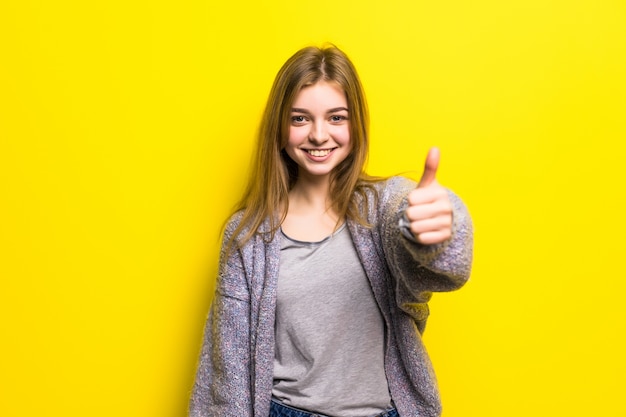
{"x":288,"y":137}
{"x":292,"y":141}
{"x":297,"y":133}
{"x":344,"y":135}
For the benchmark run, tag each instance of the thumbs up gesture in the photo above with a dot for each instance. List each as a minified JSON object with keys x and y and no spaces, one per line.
{"x":430,"y":209}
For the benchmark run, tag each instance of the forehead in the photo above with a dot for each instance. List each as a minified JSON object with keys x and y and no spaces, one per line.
{"x":321,"y":94}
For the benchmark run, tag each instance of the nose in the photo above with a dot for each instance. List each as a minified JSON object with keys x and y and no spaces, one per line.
{"x":319,"y":133}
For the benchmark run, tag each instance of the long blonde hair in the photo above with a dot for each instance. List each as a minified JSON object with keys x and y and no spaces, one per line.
{"x":273,"y":172}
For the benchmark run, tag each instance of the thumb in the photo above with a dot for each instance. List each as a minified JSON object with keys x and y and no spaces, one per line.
{"x":430,"y":168}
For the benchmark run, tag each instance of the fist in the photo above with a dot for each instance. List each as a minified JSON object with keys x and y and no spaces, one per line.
{"x":430,"y":210}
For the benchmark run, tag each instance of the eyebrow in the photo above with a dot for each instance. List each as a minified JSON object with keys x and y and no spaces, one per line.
{"x":333,"y":110}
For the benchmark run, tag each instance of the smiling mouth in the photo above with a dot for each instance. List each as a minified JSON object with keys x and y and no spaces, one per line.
{"x":318,"y":152}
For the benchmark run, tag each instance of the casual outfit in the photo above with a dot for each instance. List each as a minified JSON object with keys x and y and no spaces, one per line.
{"x":271,"y":340}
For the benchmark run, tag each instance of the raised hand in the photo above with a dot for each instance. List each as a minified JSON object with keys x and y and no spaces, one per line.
{"x":430,"y":210}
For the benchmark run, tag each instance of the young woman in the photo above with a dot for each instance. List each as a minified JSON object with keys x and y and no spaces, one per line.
{"x":325,"y":272}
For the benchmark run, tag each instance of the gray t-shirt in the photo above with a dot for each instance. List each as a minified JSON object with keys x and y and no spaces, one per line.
{"x":329,"y":331}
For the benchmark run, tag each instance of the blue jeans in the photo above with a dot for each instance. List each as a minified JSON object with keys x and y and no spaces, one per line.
{"x":280,"y":410}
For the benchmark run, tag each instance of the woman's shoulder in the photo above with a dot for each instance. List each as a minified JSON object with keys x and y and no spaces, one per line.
{"x":394,"y":185}
{"x":232,"y":225}
{"x":233,"y":220}
{"x":380,"y":195}
{"x":238,"y":227}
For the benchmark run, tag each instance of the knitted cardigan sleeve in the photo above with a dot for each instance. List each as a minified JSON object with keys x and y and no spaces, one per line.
{"x":419,"y":269}
{"x":222,"y":384}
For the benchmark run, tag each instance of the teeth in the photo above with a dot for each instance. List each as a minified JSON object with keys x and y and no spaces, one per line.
{"x":319,"y":152}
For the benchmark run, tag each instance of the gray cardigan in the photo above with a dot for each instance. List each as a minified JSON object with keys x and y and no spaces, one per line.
{"x":234,"y":375}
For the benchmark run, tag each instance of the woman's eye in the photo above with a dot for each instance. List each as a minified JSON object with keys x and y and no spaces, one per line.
{"x":338,"y":118}
{"x":298,"y":119}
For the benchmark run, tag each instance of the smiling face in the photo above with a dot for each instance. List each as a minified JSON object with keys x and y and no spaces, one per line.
{"x":319,"y":130}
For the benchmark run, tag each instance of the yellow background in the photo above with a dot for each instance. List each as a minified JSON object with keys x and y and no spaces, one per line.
{"x":126,"y":128}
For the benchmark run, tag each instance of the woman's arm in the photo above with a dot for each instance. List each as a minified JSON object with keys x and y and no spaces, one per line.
{"x":420,"y":269}
{"x":222,"y":384}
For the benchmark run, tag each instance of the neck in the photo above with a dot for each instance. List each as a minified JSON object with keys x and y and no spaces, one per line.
{"x":311,"y":216}
{"x":311,"y":192}
{"x":315,"y":193}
